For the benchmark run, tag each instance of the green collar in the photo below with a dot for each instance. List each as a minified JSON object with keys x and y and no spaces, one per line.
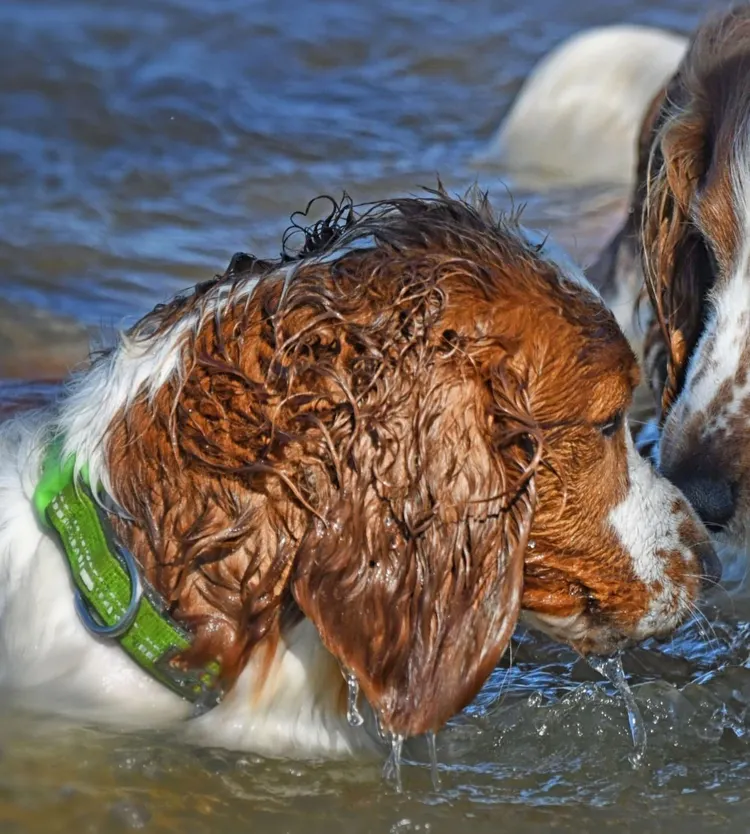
{"x":113,"y":601}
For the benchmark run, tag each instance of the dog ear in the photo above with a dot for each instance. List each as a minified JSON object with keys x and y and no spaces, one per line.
{"x":677,"y":265}
{"x":415,"y":580}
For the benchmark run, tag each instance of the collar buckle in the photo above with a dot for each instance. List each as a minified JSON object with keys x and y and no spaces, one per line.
{"x":92,"y":624}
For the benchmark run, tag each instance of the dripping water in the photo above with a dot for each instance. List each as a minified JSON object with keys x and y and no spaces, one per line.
{"x":434,"y":772}
{"x":611,"y":669}
{"x":392,"y":768}
{"x":353,"y":715}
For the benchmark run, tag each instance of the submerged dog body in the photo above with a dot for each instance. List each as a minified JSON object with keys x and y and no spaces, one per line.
{"x":575,"y":118}
{"x":584,"y":117}
{"x":367,"y":458}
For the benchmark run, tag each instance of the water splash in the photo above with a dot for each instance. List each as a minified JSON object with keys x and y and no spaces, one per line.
{"x":611,"y":669}
{"x":434,"y":772}
{"x":392,"y":767}
{"x":353,"y":715}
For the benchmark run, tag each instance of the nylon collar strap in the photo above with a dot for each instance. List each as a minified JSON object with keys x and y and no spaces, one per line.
{"x":113,"y":601}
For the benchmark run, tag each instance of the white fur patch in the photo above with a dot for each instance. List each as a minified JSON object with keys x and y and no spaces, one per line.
{"x":297,"y":713}
{"x":647,"y":527}
{"x":573,"y":628}
{"x":131,"y":368}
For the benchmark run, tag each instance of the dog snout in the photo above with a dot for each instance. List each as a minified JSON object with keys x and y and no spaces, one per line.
{"x":696,"y":536}
{"x":711,"y":496}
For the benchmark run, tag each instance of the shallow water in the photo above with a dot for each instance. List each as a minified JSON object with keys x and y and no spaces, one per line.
{"x":545,"y":747}
{"x":140,"y":146}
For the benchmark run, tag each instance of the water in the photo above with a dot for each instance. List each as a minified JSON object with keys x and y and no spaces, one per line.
{"x":392,"y":767}
{"x":353,"y":715}
{"x":434,"y":764}
{"x":611,"y":669}
{"x":141,"y":145}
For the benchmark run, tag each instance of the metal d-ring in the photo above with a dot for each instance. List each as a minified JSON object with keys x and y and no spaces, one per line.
{"x":127,"y":619}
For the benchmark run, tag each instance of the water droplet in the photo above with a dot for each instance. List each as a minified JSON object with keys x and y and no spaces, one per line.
{"x":392,"y":769}
{"x":382,"y":734}
{"x":535,"y":700}
{"x":611,"y":669}
{"x":434,"y":772}
{"x":532,"y":544}
{"x":353,"y":715}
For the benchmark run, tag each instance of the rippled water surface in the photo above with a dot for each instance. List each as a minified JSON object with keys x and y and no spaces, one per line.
{"x":141,"y":144}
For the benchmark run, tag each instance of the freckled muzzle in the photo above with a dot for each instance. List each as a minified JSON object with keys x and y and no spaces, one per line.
{"x":685,"y":567}
{"x":644,"y":581}
{"x":685,"y":564}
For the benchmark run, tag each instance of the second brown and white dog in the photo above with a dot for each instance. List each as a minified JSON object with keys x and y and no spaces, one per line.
{"x":687,"y":236}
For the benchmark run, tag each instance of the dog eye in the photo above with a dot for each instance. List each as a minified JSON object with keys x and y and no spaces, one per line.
{"x":612,"y":426}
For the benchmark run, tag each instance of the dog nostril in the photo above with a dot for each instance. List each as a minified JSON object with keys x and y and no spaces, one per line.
{"x":712,"y":498}
{"x":710,"y":564}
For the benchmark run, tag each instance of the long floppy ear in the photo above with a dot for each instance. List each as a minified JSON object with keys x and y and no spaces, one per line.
{"x":653,"y":349}
{"x":676,"y":261}
{"x":415,"y":583}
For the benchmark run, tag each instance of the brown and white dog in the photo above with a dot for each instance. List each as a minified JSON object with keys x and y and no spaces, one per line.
{"x":690,"y":218}
{"x":371,"y":457}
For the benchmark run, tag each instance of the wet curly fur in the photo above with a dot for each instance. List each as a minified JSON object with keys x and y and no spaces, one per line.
{"x":349,"y":462}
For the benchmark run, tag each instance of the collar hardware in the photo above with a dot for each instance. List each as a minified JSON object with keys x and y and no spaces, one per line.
{"x":93,"y":624}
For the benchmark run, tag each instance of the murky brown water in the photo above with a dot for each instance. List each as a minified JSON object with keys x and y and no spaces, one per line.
{"x":141,"y":144}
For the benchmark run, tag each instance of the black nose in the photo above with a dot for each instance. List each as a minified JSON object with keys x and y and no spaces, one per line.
{"x":713,"y":498}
